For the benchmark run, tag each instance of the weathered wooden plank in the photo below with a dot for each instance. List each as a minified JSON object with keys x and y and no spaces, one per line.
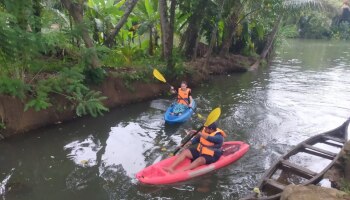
{"x":319,"y":152}
{"x":340,"y":140}
{"x":296,"y":172}
{"x":333,"y":155}
{"x":338,"y":145}
{"x":275,"y":184}
{"x":298,"y":169}
{"x":332,"y":138}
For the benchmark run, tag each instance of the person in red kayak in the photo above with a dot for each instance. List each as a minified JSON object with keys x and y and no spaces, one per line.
{"x":208,"y":150}
{"x":184,"y":98}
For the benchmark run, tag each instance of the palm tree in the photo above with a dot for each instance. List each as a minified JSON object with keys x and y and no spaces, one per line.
{"x":287,"y":7}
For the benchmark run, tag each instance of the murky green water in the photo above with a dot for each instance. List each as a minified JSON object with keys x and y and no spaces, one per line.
{"x":305,"y":91}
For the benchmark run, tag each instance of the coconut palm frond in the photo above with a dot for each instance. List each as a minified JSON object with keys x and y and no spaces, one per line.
{"x":290,"y":4}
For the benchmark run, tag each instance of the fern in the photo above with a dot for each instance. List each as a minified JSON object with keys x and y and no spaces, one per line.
{"x":90,"y":103}
{"x":39,"y":103}
{"x":68,"y":83}
{"x":18,"y":46}
{"x":13,"y":87}
{"x":8,"y":36}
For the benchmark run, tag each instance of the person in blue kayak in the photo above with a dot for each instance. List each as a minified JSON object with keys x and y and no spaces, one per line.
{"x":184,"y":98}
{"x":208,"y":149}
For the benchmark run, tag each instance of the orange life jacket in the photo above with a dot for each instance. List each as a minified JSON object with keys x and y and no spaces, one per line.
{"x":183,"y":96}
{"x":205,"y":146}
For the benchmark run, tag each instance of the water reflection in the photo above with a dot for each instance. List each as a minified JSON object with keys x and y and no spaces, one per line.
{"x":124,"y":141}
{"x":83,"y":153}
{"x":3,"y":183}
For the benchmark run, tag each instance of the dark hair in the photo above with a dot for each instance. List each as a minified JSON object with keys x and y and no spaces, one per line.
{"x":183,"y":82}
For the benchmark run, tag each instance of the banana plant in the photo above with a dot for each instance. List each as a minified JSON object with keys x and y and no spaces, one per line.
{"x":147,"y":16}
{"x":105,"y":14}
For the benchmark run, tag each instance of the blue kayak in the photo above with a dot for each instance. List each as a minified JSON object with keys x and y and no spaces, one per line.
{"x":184,"y":116}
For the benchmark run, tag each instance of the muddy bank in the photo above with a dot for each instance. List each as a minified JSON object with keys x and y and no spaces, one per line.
{"x":17,"y":121}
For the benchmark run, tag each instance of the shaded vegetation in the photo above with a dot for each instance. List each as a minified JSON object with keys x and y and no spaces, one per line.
{"x":63,"y":47}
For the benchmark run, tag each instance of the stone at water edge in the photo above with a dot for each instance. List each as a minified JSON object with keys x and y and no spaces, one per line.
{"x":312,"y":192}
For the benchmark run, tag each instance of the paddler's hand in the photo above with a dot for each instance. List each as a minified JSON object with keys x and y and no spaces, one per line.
{"x":204,"y":135}
{"x":187,"y":144}
{"x":172,"y":90}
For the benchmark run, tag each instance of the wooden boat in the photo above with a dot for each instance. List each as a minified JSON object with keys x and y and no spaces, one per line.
{"x":155,"y":174}
{"x":286,"y":171}
{"x":173,"y":119}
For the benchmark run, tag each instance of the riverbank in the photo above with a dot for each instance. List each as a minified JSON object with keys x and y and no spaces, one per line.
{"x":17,"y":121}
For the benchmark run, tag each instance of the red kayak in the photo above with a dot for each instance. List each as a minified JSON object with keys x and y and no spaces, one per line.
{"x":155,"y":175}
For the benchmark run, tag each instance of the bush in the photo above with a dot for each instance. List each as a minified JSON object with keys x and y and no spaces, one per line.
{"x":315,"y":25}
{"x":289,"y":31}
{"x":342,"y":31}
{"x":70,"y":84}
{"x":94,"y":75}
{"x":13,"y":87}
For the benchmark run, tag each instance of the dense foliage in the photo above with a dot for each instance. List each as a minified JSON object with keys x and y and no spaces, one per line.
{"x":327,"y":22}
{"x":59,"y":47}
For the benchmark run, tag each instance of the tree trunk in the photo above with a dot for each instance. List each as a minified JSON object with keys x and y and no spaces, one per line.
{"x":214,"y":32}
{"x":194,"y":28}
{"x":230,"y":27}
{"x":167,"y":27}
{"x":182,"y":40}
{"x":111,"y":37}
{"x":269,"y":42}
{"x":150,"y":46}
{"x":172,"y":22}
{"x":76,"y":11}
{"x":95,"y":34}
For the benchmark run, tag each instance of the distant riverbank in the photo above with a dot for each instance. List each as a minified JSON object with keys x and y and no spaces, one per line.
{"x":118,"y":93}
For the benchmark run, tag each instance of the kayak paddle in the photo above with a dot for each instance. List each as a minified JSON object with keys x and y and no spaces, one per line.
{"x":212,"y":117}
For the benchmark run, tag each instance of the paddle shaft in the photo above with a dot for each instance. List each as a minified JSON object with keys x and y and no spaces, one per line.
{"x":188,"y":139}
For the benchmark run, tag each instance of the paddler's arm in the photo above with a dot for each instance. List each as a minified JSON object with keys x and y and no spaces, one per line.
{"x":189,"y":143}
{"x":191,"y":101}
{"x":217,"y":139}
{"x":195,"y":140}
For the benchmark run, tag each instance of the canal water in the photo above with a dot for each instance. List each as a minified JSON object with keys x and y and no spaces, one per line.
{"x":303,"y":92}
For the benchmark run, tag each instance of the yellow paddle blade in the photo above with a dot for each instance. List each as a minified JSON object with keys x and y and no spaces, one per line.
{"x":158,"y":75}
{"x":213,"y":116}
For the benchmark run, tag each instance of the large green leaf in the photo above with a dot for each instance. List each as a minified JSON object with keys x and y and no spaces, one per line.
{"x":149,"y":8}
